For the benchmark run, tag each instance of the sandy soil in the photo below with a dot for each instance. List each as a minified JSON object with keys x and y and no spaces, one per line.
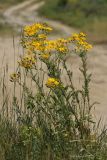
{"x":25,"y":13}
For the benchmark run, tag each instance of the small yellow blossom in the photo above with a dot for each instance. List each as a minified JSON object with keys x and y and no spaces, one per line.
{"x":28,"y":61}
{"x":75,"y":37}
{"x":30,"y":30}
{"x":52,"y":82}
{"x":14,"y":77}
{"x":87,"y":46}
{"x":83,"y":46}
{"x":62,"y":49}
{"x":37,"y":45}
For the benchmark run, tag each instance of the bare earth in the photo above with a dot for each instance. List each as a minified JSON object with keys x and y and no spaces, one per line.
{"x":26,"y":13}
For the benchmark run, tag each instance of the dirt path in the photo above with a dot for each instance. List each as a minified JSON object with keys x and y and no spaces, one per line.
{"x":26,"y":13}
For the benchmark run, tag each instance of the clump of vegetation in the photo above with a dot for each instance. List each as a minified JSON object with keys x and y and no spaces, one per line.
{"x":87,"y":15}
{"x":51,"y":119}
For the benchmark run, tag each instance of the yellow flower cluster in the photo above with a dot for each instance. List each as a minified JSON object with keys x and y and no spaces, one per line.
{"x":35,"y":41}
{"x":42,"y":44}
{"x":80,"y":40}
{"x":62,"y":45}
{"x":52,"y":83}
{"x":14,"y":77}
{"x":45,"y":45}
{"x":59,"y":45}
{"x":31,"y":30}
{"x":83,"y":46}
{"x":77,"y":37}
{"x":37,"y":45}
{"x":28,"y":61}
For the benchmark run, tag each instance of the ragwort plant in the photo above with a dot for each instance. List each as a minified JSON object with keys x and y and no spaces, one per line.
{"x":53,"y":118}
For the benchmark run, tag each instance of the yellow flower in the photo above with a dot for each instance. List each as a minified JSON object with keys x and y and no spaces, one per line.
{"x":75,"y":37}
{"x":45,"y":56}
{"x":82,"y":36}
{"x":52,"y":82}
{"x":30,"y":30}
{"x":28,"y":61}
{"x":87,"y":46}
{"x":14,"y":77}
{"x":62,"y":49}
{"x":83,"y":46}
{"x":38,"y":45}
